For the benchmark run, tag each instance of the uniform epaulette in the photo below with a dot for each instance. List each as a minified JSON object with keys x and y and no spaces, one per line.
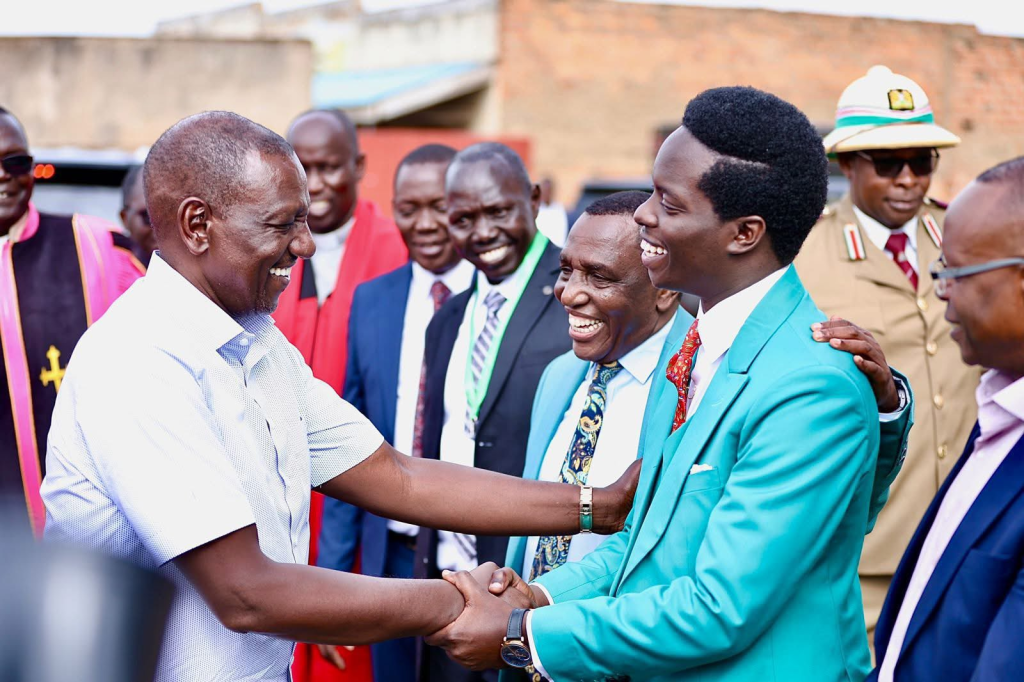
{"x":936,"y":203}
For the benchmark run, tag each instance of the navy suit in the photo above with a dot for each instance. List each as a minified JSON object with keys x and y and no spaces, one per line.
{"x":371,"y":385}
{"x":968,"y":623}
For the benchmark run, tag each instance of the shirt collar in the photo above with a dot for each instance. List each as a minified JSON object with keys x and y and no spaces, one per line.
{"x":335,"y":239}
{"x":206,"y":322}
{"x":642,"y":360}
{"x":457,"y":278}
{"x":879,"y":233}
{"x":1000,"y":392}
{"x":719,"y":326}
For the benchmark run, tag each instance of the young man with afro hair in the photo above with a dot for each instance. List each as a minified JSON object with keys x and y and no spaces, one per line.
{"x":739,"y":561}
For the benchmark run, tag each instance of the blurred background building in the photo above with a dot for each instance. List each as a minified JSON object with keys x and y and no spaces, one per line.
{"x":585,"y":89}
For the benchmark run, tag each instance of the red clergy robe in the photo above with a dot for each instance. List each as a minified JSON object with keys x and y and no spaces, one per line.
{"x":58,"y":275}
{"x":373,"y":248}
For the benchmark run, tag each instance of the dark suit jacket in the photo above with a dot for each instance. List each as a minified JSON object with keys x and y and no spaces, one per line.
{"x":968,"y":623}
{"x":536,"y":334}
{"x":371,"y":385}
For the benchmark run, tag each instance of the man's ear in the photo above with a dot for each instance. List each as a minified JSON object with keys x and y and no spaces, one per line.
{"x":666,"y":301}
{"x":747,"y":234}
{"x":535,"y":200}
{"x":846,"y":163}
{"x":360,"y":167}
{"x":194,"y":222}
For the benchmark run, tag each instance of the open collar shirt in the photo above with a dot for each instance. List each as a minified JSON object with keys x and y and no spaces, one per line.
{"x":176,"y":425}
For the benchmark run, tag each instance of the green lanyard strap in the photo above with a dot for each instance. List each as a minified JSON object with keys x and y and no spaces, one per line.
{"x":475,"y":392}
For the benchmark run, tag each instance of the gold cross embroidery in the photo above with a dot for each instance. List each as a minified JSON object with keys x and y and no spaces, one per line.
{"x":55,"y":373}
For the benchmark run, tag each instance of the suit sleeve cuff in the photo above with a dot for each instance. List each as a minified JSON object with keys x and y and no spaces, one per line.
{"x":537,"y":665}
{"x":544,"y":590}
{"x":901,"y":389}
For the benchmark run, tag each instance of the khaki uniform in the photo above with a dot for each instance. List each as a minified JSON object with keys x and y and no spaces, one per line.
{"x":847,"y":275}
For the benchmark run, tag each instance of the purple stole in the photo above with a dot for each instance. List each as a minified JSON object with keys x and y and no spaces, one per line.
{"x":58,"y":278}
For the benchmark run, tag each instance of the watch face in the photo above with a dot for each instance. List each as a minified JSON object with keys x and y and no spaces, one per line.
{"x":515,"y":654}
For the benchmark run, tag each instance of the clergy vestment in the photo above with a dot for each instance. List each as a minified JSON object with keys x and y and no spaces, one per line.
{"x":372,"y":247}
{"x":58,"y":275}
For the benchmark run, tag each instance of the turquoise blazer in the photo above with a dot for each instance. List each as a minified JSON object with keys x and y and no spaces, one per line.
{"x":739,"y":559}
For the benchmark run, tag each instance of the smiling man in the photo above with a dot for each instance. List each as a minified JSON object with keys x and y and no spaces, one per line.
{"x":487,"y":347}
{"x":866,"y":260}
{"x":58,"y":275}
{"x":739,"y":559}
{"x":189,"y":432}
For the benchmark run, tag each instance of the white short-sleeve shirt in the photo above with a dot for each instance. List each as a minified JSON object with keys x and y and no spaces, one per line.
{"x":176,"y":425}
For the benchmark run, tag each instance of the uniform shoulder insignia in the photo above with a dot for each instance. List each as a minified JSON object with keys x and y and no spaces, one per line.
{"x":936,"y":203}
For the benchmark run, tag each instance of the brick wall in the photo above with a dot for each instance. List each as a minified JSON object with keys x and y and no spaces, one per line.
{"x":590,"y":81}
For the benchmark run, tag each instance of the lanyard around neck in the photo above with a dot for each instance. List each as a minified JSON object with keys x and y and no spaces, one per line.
{"x":475,"y":391}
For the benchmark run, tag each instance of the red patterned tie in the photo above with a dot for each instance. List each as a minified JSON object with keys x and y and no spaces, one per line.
{"x":440,"y":293}
{"x":896,"y":246}
{"x":678,"y":372}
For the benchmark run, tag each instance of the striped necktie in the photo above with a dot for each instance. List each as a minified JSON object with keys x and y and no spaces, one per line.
{"x":481,"y":349}
{"x":553,"y":550}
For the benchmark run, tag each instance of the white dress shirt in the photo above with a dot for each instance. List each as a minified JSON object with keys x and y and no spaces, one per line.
{"x":419,"y":310}
{"x":879,"y":235}
{"x":1001,"y":420}
{"x":457,"y":551}
{"x":326,"y":260}
{"x":618,"y":442}
{"x":176,"y":425}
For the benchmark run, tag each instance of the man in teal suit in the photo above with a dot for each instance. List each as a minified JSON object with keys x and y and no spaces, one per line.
{"x":739,"y":560}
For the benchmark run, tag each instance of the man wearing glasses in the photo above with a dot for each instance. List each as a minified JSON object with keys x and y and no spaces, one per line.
{"x":957,"y":601}
{"x":58,"y":274}
{"x":867,"y":260}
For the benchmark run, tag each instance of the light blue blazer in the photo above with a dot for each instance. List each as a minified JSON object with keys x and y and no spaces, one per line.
{"x":739,"y":559}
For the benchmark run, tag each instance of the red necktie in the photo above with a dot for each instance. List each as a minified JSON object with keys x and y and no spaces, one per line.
{"x":897,"y":248}
{"x":440,"y":293}
{"x":678,"y":372}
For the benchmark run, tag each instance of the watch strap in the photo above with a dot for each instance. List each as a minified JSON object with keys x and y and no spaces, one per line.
{"x":515,"y":624}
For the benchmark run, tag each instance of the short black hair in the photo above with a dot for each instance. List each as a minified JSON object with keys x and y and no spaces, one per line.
{"x":130,"y":178}
{"x":204,"y":156}
{"x":427,"y":153}
{"x":487,"y":151}
{"x":620,"y":203}
{"x":772,"y":163}
{"x":346,"y":124}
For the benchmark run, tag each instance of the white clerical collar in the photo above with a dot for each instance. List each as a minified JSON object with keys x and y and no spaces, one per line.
{"x":719,"y":326}
{"x":879,"y":234}
{"x":642,"y":360}
{"x":335,"y":239}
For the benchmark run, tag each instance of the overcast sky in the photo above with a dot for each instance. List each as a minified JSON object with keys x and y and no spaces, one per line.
{"x":138,"y":17}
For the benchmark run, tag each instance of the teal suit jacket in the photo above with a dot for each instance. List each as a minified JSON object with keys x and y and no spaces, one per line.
{"x":746,"y":567}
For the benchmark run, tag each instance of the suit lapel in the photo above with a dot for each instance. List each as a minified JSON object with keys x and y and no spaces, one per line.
{"x":876,"y":266}
{"x":390,"y":326}
{"x":1004,"y":486}
{"x":552,"y":410}
{"x":893,"y":601}
{"x":927,"y":253}
{"x":681,"y":450}
{"x":536,"y":297}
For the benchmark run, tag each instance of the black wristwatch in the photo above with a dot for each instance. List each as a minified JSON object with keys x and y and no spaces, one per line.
{"x":513,"y":649}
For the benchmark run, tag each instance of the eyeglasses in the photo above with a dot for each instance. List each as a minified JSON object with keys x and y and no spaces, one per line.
{"x":943,"y":275}
{"x":17,"y":164}
{"x":892,"y":166}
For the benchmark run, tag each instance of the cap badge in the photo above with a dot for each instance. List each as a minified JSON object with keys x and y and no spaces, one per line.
{"x":901,"y":100}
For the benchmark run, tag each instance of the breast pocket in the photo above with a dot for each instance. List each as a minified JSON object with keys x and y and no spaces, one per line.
{"x":701,"y":480}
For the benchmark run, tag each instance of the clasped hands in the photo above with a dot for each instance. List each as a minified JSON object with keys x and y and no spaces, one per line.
{"x":474,"y":638}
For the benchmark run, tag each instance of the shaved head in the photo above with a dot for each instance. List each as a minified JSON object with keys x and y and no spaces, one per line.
{"x":204,"y":156}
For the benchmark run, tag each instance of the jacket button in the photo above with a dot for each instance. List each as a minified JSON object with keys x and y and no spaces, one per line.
{"x":938,"y":401}
{"x":941,"y":451}
{"x":931,"y":348}
{"x":922,"y":304}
